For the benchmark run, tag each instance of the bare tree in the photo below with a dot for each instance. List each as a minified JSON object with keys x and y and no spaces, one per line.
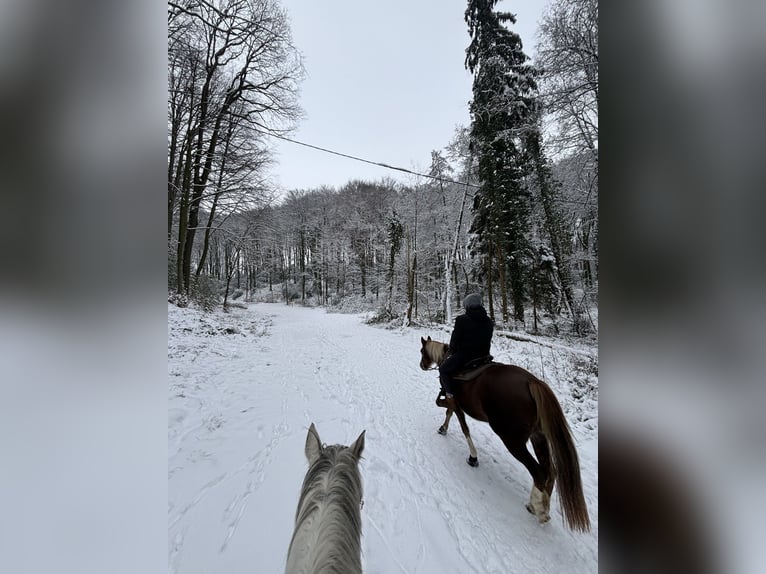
{"x":247,"y":80}
{"x":568,"y":58}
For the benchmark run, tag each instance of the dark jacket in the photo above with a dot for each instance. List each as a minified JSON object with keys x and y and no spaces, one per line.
{"x":472,"y":335}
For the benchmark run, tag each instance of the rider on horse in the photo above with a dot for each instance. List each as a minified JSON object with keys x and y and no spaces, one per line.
{"x":471,"y":339}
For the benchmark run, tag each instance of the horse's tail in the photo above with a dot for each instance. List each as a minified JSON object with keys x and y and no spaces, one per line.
{"x":565,"y":460}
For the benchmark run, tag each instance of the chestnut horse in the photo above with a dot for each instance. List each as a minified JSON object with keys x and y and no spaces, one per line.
{"x":520,"y":407}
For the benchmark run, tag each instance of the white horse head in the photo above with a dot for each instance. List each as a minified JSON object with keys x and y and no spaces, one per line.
{"x":328,"y":523}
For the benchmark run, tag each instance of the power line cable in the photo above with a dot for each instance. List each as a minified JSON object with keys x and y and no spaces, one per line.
{"x":385,"y":165}
{"x":379,"y":164}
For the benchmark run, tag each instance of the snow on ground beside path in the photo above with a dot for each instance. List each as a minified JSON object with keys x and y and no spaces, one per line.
{"x":244,"y":387}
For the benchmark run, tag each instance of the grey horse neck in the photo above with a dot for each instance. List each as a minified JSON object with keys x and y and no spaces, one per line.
{"x":328,"y":520}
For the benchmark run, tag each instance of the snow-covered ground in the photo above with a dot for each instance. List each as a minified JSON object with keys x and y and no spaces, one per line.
{"x":244,"y":387}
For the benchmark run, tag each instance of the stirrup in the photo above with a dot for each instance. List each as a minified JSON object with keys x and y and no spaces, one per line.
{"x":443,"y":401}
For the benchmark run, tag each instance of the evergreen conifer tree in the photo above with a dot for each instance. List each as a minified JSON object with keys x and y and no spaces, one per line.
{"x":504,"y":101}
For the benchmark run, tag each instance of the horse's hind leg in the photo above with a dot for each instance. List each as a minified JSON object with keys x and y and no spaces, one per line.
{"x":473,"y":458}
{"x":543,"y":454}
{"x":445,"y":424}
{"x":539,"y":504}
{"x":539,"y":499}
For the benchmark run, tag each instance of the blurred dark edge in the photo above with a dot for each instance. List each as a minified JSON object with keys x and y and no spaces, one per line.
{"x":681,"y":292}
{"x":82,"y":286}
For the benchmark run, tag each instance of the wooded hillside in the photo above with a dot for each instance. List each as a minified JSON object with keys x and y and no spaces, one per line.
{"x":509,"y":210}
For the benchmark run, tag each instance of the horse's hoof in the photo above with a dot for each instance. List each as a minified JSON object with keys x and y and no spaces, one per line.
{"x":541,"y":518}
{"x":473,"y":461}
{"x":442,"y":431}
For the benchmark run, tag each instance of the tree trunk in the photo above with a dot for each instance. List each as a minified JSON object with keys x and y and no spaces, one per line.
{"x":218,"y":192}
{"x":363,"y":267}
{"x":232,"y":265}
{"x":302,"y":254}
{"x":553,"y":221}
{"x":202,"y":172}
{"x":503,"y":285}
{"x":534,"y":305}
{"x":517,"y":291}
{"x":450,"y":263}
{"x":182,"y":284}
{"x":490,"y":299}
{"x":411,"y":283}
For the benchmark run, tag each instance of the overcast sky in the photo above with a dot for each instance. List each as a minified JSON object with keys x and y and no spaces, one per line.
{"x":385,"y":82}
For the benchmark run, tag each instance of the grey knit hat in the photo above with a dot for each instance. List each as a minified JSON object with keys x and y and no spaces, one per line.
{"x":472,"y":301}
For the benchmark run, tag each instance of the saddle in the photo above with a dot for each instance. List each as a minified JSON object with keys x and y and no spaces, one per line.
{"x":473,"y":369}
{"x":470,"y":371}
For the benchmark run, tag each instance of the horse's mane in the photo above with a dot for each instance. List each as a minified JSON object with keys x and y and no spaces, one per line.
{"x":436,"y":350}
{"x":328,"y":518}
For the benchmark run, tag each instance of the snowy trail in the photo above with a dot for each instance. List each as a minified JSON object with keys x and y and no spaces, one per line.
{"x":240,"y":404}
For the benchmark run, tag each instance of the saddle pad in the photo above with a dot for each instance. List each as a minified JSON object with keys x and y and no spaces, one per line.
{"x":472,"y":374}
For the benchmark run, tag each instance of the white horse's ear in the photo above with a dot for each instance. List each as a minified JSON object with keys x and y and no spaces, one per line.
{"x":313,"y":444}
{"x":422,"y":340}
{"x":429,"y":337}
{"x":358,"y":445}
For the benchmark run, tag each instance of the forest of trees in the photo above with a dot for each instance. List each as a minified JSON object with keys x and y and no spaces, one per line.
{"x":510,"y":211}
